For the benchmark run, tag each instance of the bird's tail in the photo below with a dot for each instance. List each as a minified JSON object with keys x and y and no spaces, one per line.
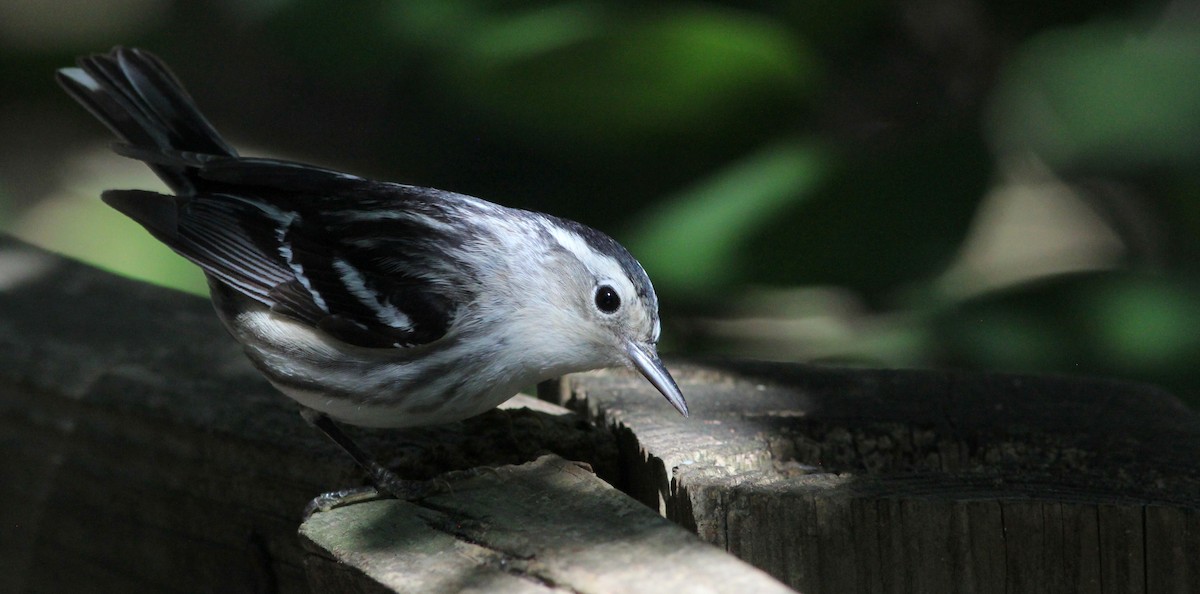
{"x":134,"y":93}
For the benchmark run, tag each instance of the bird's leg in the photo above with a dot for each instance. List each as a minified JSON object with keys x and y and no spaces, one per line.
{"x":341,"y":498}
{"x":385,"y":482}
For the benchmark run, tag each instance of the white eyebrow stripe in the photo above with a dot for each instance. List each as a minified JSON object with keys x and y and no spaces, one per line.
{"x":598,"y":263}
{"x":570,"y":242}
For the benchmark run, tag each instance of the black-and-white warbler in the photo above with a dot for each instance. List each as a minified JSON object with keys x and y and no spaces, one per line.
{"x":377,"y":304}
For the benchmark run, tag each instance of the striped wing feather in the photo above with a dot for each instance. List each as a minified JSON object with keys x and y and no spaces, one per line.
{"x":362,"y":260}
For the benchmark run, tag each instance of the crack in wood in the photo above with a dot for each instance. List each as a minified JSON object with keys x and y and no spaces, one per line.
{"x":465,"y":528}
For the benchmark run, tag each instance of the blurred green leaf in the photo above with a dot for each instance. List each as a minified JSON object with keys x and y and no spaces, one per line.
{"x":611,"y":81}
{"x":1111,"y":323}
{"x":1109,"y":95}
{"x":878,"y":221}
{"x":503,"y":39}
{"x":90,"y":231}
{"x":1144,"y":324}
{"x":692,"y":241}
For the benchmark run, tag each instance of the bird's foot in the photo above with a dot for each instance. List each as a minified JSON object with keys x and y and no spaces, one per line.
{"x":341,"y":498}
{"x":386,"y":485}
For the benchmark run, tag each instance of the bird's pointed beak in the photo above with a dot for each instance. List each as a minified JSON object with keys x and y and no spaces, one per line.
{"x":645,"y":359}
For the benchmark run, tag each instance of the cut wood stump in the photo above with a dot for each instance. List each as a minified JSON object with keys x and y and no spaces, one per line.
{"x":854,"y":480}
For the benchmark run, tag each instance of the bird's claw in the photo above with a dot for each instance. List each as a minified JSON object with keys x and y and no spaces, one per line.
{"x":389,"y":486}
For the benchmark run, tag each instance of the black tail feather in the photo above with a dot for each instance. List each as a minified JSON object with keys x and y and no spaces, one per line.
{"x":140,"y":100}
{"x":158,"y":213}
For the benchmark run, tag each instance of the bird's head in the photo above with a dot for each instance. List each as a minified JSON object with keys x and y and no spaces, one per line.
{"x":607,"y":305}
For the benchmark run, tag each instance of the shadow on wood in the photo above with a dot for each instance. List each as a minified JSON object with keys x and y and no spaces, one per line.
{"x":547,"y":526}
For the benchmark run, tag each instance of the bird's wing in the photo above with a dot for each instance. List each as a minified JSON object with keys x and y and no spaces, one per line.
{"x":367,"y":262}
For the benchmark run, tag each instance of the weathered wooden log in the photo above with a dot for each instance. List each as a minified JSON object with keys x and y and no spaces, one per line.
{"x":548,"y":526}
{"x":140,"y":451}
{"x":850,"y":480}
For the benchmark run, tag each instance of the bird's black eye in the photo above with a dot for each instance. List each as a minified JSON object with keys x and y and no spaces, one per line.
{"x":607,"y":299}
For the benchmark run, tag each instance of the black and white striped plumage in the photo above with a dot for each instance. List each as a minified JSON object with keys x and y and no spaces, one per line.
{"x":377,"y":303}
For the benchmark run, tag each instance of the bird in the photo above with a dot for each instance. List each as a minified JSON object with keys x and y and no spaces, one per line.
{"x":371,"y":303}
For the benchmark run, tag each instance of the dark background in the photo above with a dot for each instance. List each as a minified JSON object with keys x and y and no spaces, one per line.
{"x":990,"y":185}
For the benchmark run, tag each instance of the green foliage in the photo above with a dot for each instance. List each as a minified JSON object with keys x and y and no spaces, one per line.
{"x":87,"y":230}
{"x":696,"y":242}
{"x":737,"y":148}
{"x":591,"y":81}
{"x":1106,"y":96}
{"x":1118,"y":324}
{"x":877,"y":223}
